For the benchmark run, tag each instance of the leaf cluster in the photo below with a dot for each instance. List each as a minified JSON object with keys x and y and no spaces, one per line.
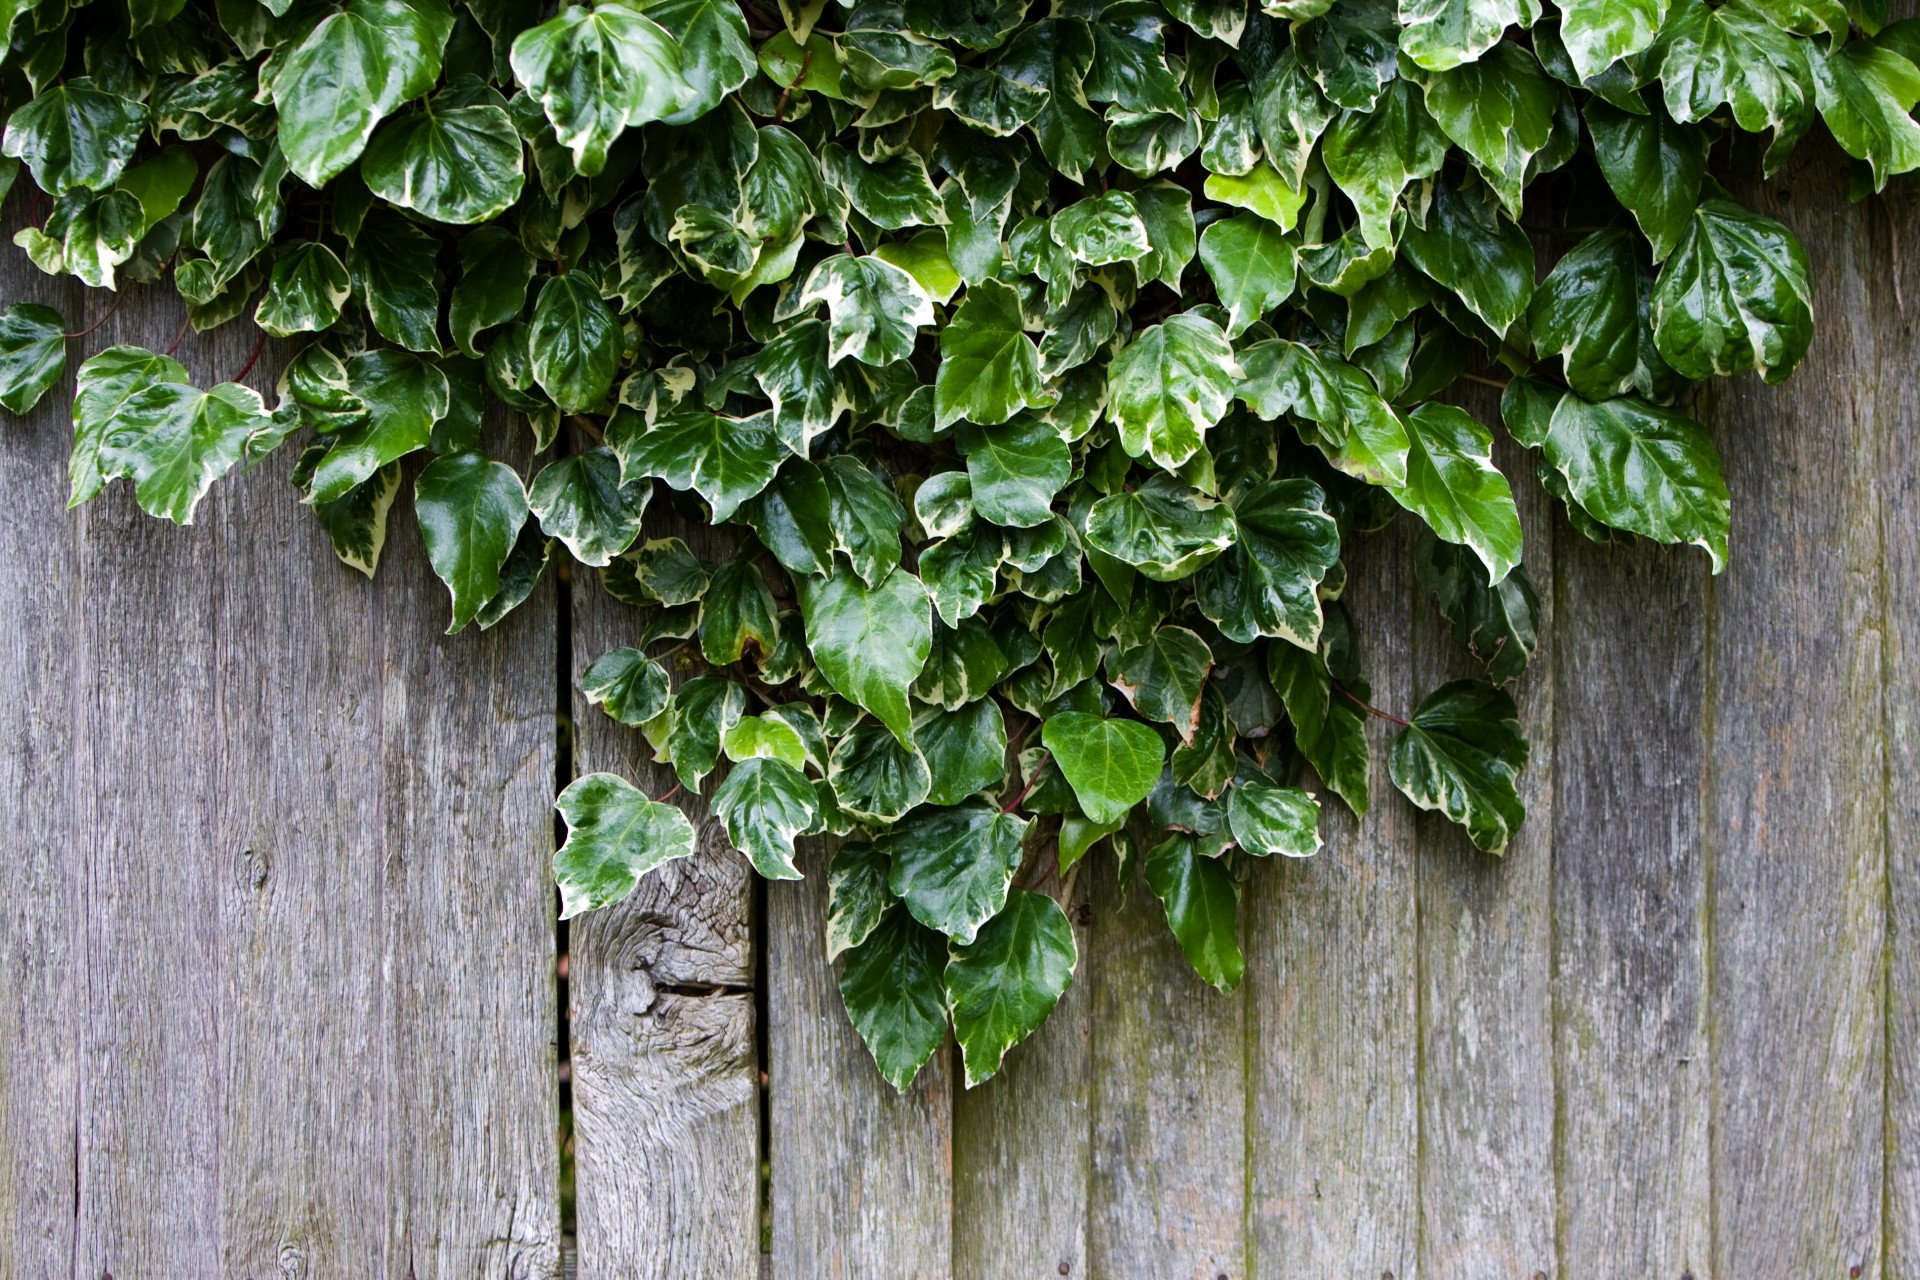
{"x":1038,"y":364}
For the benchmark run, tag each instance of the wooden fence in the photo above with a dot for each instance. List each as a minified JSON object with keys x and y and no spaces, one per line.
{"x":278,"y":989}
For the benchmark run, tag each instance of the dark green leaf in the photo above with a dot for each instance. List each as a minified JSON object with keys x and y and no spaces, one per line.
{"x":1004,"y":984}
{"x":1462,"y":756}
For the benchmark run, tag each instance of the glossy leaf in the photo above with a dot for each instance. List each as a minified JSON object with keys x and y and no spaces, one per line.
{"x":1002,"y":985}
{"x":1462,"y":756}
{"x":1110,"y":764}
{"x":615,"y":835}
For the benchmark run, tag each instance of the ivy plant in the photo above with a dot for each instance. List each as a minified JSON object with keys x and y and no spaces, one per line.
{"x":1037,"y":365}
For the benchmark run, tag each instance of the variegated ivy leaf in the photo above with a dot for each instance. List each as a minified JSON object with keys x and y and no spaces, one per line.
{"x":1014,"y":470}
{"x":989,"y":368}
{"x":1733,"y":296}
{"x":403,"y":397}
{"x":1202,"y":903}
{"x":858,"y":896}
{"x":74,"y":135}
{"x":1373,"y":153}
{"x":1268,"y":582}
{"x":1462,"y":755}
{"x":470,"y":510}
{"x":173,"y":441}
{"x":870,"y":642}
{"x":1866,"y":95}
{"x":1732,"y":56}
{"x":1164,"y":529}
{"x":765,"y":803}
{"x":615,"y":835}
{"x":1654,"y":167}
{"x":1110,"y":764}
{"x":892,"y":990}
{"x":597,"y":71}
{"x":306,"y":291}
{"x":875,"y":778}
{"x":1101,"y":230}
{"x":1594,"y":311}
{"x":1469,"y":246}
{"x":102,"y":388}
{"x":581,"y":500}
{"x":951,"y":867}
{"x":1497,"y":623}
{"x":1163,"y":676}
{"x":724,"y":460}
{"x":1002,"y":985}
{"x":458,"y":160}
{"x":33,"y":355}
{"x":1266,"y":819}
{"x":627,"y":685}
{"x":1500,"y":111}
{"x":1252,"y":262}
{"x":356,"y":522}
{"x":1598,"y":33}
{"x":1453,"y":485}
{"x":875,"y":308}
{"x":1439,"y":35}
{"x":1168,"y":386}
{"x":1328,"y":725}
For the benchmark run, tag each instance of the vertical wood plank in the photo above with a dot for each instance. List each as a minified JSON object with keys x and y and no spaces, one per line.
{"x":42,"y":918}
{"x":1168,"y":1097}
{"x":1899,"y":408}
{"x":862,"y":1176}
{"x":1332,"y":1125}
{"x":666,"y":1090}
{"x":1631,"y":1063}
{"x":1486,"y":1177}
{"x":1022,"y":1163}
{"x":1796,"y":778}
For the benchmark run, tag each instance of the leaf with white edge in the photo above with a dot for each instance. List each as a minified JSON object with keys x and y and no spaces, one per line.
{"x":724,"y":460}
{"x":715,"y":50}
{"x":989,"y":368}
{"x":1654,"y":167}
{"x":1462,"y":755}
{"x":738,"y":614}
{"x":1453,"y":485}
{"x":697,"y":721}
{"x":952,"y":867}
{"x":74,"y":135}
{"x":893,"y":194}
{"x":1643,"y":468}
{"x":1168,"y":386}
{"x":1268,"y":582}
{"x":1274,"y":820}
{"x":470,"y":510}
{"x":581,"y":500}
{"x":870,"y":642}
{"x":356,"y":522}
{"x":101,"y":390}
{"x":858,"y":896}
{"x":1002,"y":986}
{"x":33,"y":354}
{"x":893,"y":994}
{"x":627,"y":685}
{"x":173,"y":441}
{"x":1500,"y":111}
{"x":596,"y":72}
{"x":766,"y":803}
{"x":965,"y":749}
{"x":1110,"y":764}
{"x":1164,"y":529}
{"x":1866,"y":95}
{"x":575,"y":341}
{"x":925,"y":258}
{"x":757,"y":736}
{"x":1594,"y":311}
{"x":1469,"y":246}
{"x":1101,"y":230}
{"x":1328,"y":728}
{"x":1252,"y":263}
{"x":1442,"y":34}
{"x":874,"y":308}
{"x":1163,"y":676}
{"x":1731,"y":55}
{"x":392,"y":263}
{"x":458,"y":164}
{"x":306,"y":291}
{"x":404,"y":397}
{"x":1203,"y":909}
{"x":615,"y":835}
{"x":1373,"y":155}
{"x":875,"y":778}
{"x":1598,"y":33}
{"x":1014,"y":470}
{"x":1498,"y":624}
{"x":1734,"y":296}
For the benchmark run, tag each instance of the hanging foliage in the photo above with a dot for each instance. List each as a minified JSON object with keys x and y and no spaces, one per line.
{"x":1042,"y":362}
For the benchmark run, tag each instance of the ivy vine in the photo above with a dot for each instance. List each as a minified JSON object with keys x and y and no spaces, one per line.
{"x":1042,"y":363}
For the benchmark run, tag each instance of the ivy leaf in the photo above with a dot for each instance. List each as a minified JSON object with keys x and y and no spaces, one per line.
{"x":1732,"y":56}
{"x":989,"y":368}
{"x":356,"y":522}
{"x":1453,"y":485}
{"x":575,"y":341}
{"x":1328,"y":728}
{"x":766,"y":803}
{"x":1500,"y":111}
{"x":74,"y":135}
{"x":1439,"y":35}
{"x":1003,"y":985}
{"x":173,"y":441}
{"x":1462,"y":755}
{"x":875,"y":309}
{"x":1598,"y":33}
{"x":1593,"y":311}
{"x":470,"y":510}
{"x":1351,"y":50}
{"x":1274,"y":820}
{"x":858,"y":896}
{"x":952,"y":867}
{"x":1102,"y":230}
{"x":1498,"y":624}
{"x":725,"y":460}
{"x":1268,"y":583}
{"x":494,"y":273}
{"x":597,"y":71}
{"x":404,"y":396}
{"x":1643,"y":468}
{"x":965,"y":749}
{"x":892,"y":194}
{"x":757,"y":736}
{"x":864,"y":517}
{"x":1252,"y":263}
{"x":875,"y":778}
{"x":1654,"y":167}
{"x":1471,"y":249}
{"x":350,"y":72}
{"x":1163,"y":676}
{"x":1168,"y":386}
{"x":697,"y":720}
{"x":1164,"y":529}
{"x":33,"y":355}
{"x":306,"y":291}
{"x":870,"y":642}
{"x":1734,"y":296}
{"x":627,"y":685}
{"x":1015,"y":469}
{"x":738,"y":611}
{"x":1203,"y":908}
{"x":1166,"y":210}
{"x":615,"y":835}
{"x":716,"y":56}
{"x":101,"y":390}
{"x":581,"y":500}
{"x":1110,"y":764}
{"x":459,"y":164}
{"x":1373,"y":154}
{"x":893,"y":994}
{"x":393,"y":267}
{"x":1866,"y":95}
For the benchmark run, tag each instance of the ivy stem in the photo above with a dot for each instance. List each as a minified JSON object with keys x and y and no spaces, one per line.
{"x":1369,"y":708}
{"x":1495,"y":383}
{"x":671,"y":794}
{"x":1033,"y":780}
{"x":181,"y":333}
{"x":786,"y":94}
{"x":104,"y":316}
{"x":252,"y":359}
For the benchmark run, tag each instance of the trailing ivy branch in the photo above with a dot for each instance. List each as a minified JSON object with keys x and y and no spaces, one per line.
{"x":1040,"y":362}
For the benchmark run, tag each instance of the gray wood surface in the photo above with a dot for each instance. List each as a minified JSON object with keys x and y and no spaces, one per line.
{"x":666,"y":1096}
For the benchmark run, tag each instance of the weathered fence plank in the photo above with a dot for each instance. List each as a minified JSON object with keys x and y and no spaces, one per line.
{"x":862,"y":1176}
{"x":1795,"y":775}
{"x":1332,"y":1120}
{"x":1487,"y":1194}
{"x":666,"y":1088}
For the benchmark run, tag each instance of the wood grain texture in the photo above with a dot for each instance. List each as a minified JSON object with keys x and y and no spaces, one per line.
{"x":42,"y":910}
{"x":1898,"y":403}
{"x":1022,"y":1160}
{"x":1795,"y":769}
{"x":311,"y":942}
{"x":1487,"y":1193}
{"x":862,"y":1176}
{"x":666,"y":1094}
{"x":1333,"y":1112}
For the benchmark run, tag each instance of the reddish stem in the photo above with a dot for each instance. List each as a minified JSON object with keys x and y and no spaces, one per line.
{"x":175,"y":344}
{"x":1033,"y":780}
{"x":252,"y":359}
{"x":1369,"y":708}
{"x":104,"y":316}
{"x":671,"y":794}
